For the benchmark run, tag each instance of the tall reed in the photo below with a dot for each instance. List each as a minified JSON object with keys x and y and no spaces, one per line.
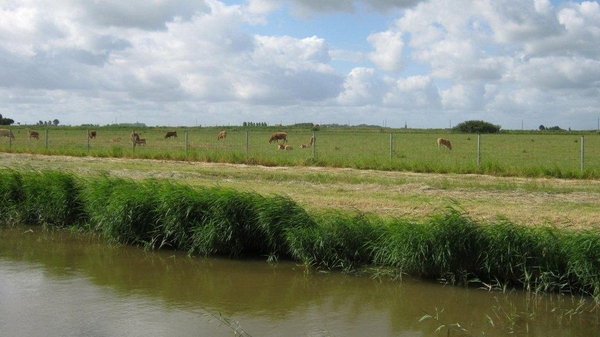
{"x":47,"y":198}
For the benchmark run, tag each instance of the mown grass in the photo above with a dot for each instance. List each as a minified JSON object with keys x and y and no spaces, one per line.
{"x":523,"y":154}
{"x":449,"y":245}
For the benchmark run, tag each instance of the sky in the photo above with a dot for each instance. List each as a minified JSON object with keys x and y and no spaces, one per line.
{"x":420,"y":63}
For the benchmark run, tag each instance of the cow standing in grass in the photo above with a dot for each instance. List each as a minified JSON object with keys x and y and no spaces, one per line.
{"x":277,"y":136}
{"x":7,"y":133}
{"x":134,"y":136}
{"x":92,"y":134}
{"x":222,"y":135}
{"x":34,"y":134}
{"x":171,"y":134}
{"x":444,"y":142}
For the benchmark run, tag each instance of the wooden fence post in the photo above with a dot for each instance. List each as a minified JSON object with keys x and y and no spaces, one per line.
{"x":391,"y":146}
{"x":185,"y":133}
{"x":478,"y":150}
{"x":582,"y":153}
{"x":314,"y":145}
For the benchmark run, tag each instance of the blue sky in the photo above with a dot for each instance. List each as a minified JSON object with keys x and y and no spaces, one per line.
{"x":429,"y":64}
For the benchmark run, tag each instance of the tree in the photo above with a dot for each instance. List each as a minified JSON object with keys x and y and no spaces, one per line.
{"x":476,"y":127}
{"x":55,"y":122}
{"x":6,"y":121}
{"x":542,"y":127}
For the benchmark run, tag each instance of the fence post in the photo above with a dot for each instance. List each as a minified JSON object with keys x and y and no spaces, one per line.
{"x":186,"y":143}
{"x":246,"y":143}
{"x":582,"y":153}
{"x":478,"y":150}
{"x":314,"y":145}
{"x":10,"y":138}
{"x":46,"y":138}
{"x":391,"y":146}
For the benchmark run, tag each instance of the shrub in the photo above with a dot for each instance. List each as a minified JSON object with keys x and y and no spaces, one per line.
{"x":476,"y":127}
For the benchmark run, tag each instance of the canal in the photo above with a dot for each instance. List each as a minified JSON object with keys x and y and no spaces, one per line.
{"x":58,"y":283}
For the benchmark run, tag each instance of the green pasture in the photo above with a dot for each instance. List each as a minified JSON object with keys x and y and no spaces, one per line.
{"x":533,"y":154}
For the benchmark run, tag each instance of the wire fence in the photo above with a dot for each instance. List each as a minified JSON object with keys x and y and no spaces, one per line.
{"x":373,"y":149}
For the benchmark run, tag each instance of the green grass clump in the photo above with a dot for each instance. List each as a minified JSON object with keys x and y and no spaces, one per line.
{"x":448,"y":246}
{"x":338,"y":241}
{"x":49,"y":198}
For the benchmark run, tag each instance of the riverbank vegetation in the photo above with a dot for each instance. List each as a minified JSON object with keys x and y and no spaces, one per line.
{"x":448,"y":245}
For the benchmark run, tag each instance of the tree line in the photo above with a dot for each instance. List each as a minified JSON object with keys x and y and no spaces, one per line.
{"x":10,"y":121}
{"x":6,"y":121}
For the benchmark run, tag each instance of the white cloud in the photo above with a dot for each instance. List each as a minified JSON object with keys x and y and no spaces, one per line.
{"x":559,"y":73}
{"x":414,"y":93}
{"x":309,"y":8}
{"x":362,"y":87}
{"x":388,"y":50}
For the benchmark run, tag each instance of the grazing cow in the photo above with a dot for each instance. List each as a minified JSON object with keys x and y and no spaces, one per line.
{"x":7,"y":133}
{"x":171,"y":134}
{"x":445,"y":142}
{"x":222,"y":135}
{"x":277,"y":136}
{"x":134,"y":136}
{"x":140,"y":141}
{"x":34,"y":134}
{"x":92,"y":134}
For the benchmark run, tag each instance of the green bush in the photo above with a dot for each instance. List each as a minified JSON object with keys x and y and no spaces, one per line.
{"x":476,"y":126}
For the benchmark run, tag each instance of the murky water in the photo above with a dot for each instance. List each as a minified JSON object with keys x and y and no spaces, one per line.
{"x":64,"y":284}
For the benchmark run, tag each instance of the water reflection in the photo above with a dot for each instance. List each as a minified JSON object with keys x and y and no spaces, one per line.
{"x":61,"y":284}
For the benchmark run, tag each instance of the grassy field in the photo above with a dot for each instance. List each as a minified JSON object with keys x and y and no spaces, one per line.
{"x":565,"y":203}
{"x":526,"y":154}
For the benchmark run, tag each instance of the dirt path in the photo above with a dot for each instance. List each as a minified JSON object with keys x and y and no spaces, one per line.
{"x":563,"y":203}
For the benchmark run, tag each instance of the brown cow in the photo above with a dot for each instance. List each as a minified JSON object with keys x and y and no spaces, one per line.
{"x":445,"y":142}
{"x":171,"y":134}
{"x":92,"y":134}
{"x":284,"y":147}
{"x":277,"y":136}
{"x":304,"y":146}
{"x":222,"y":135}
{"x":7,"y":133}
{"x":134,"y":136}
{"x":34,"y":134}
{"x":140,"y":141}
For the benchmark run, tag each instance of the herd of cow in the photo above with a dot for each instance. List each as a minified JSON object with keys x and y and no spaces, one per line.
{"x":136,"y":140}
